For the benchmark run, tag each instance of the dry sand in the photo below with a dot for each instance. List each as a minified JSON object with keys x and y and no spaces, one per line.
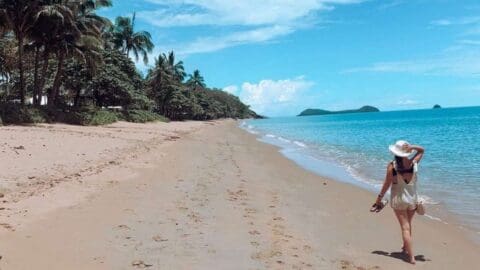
{"x":191,"y":196}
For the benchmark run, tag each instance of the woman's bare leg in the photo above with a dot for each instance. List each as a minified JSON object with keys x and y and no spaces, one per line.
{"x":410,"y":214}
{"x":402,"y":217}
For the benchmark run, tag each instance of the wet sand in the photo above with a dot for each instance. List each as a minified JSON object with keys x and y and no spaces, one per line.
{"x":192,"y":196}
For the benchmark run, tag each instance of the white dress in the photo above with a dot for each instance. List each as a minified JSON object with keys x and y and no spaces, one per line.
{"x":404,"y":195}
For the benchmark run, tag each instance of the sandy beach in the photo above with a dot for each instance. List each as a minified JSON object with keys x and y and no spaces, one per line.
{"x":191,"y":195}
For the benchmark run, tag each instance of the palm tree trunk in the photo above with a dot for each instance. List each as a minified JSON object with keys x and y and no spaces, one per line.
{"x":20,"y":68}
{"x":53,"y":96}
{"x":76,"y":99}
{"x":35,"y":79}
{"x":43,"y":74}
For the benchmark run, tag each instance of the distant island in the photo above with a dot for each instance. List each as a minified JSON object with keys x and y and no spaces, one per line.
{"x":363,"y":109}
{"x":436,"y":106}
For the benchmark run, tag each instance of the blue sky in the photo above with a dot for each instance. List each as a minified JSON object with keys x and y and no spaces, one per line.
{"x":282,"y":56}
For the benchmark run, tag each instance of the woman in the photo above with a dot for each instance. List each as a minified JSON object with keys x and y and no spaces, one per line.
{"x":402,"y":177}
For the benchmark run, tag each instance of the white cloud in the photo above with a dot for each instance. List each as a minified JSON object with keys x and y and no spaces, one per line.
{"x":275,"y":97}
{"x":246,"y":12}
{"x":442,"y":22}
{"x":390,"y":4}
{"x":260,"y":21}
{"x":215,"y":43}
{"x":459,"y":59}
{"x":458,"y":21}
{"x":408,"y":102}
{"x":232,"y":89}
{"x":459,"y":62}
{"x":469,"y":42}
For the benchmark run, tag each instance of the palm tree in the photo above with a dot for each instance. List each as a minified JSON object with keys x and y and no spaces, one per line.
{"x":79,"y":37}
{"x":126,"y":39}
{"x":88,"y":21}
{"x":160,"y":73}
{"x":7,"y":59}
{"x":177,"y":69}
{"x":17,"y":16}
{"x":48,"y":23}
{"x":196,"y":80}
{"x":160,"y":81}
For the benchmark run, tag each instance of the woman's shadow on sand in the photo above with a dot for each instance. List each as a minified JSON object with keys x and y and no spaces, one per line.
{"x":400,"y":256}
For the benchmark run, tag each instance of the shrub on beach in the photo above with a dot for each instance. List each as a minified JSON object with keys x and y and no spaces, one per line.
{"x":103,"y":117}
{"x":141,"y":116}
{"x":16,"y":114}
{"x":88,"y":117}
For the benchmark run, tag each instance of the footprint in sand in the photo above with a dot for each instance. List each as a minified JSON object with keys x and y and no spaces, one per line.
{"x":307,"y":248}
{"x":158,"y":238}
{"x":7,"y":226}
{"x":254,"y":243}
{"x":140,"y":264}
{"x":254,"y":232}
{"x":123,"y":227}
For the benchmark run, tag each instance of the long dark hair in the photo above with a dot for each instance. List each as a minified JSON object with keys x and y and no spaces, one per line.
{"x":400,"y":167}
{"x":399,"y":161}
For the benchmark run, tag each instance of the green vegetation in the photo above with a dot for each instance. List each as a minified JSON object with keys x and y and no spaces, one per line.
{"x":61,"y":62}
{"x":363,"y":109}
{"x":89,"y":117}
{"x":14,"y":113}
{"x":141,"y":116}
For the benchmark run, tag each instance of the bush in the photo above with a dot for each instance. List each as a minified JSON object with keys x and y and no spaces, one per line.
{"x":16,"y":114}
{"x":103,"y":118}
{"x":141,"y":116}
{"x":88,"y":117}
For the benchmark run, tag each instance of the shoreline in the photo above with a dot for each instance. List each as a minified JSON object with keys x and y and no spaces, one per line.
{"x":213,"y":196}
{"x":438,"y":212}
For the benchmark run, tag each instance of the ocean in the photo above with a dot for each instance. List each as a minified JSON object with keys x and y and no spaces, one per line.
{"x":354,"y":148}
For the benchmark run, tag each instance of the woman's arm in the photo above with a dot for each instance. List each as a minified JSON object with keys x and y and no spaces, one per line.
{"x":420,"y":150}
{"x":386,"y":185}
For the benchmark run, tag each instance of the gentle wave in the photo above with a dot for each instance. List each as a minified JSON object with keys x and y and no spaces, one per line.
{"x":283,"y":139}
{"x":300,"y":144}
{"x":249,"y":128}
{"x":371,"y":184}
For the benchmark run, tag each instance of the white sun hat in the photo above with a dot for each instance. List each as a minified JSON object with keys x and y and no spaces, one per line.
{"x":399,"y":149}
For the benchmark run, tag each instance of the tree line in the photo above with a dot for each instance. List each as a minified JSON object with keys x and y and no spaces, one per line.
{"x":59,"y":57}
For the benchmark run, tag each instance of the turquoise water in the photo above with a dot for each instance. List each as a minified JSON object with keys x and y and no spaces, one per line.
{"x":354,"y":148}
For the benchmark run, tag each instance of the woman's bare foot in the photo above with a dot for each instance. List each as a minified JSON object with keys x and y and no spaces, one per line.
{"x":412,"y":260}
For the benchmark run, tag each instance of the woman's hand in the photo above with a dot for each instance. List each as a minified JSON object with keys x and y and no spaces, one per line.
{"x":420,"y":150}
{"x":374,"y":208}
{"x":377,"y":206}
{"x":411,"y":147}
{"x":408,"y":148}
